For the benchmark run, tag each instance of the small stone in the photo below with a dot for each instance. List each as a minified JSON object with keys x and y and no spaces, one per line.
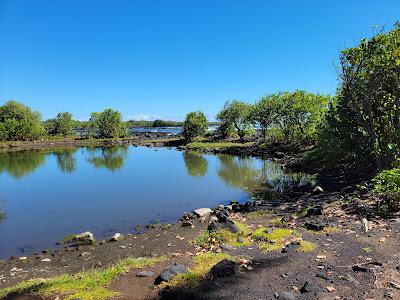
{"x":330,"y":289}
{"x":84,"y":254}
{"x":286,"y":296}
{"x":145,"y":274}
{"x":170,"y":273}
{"x":46,"y":260}
{"x":317,"y":190}
{"x":202,"y":212}
{"x":23,"y":258}
{"x":227,"y":247}
{"x":116,"y":237}
{"x":187,"y":224}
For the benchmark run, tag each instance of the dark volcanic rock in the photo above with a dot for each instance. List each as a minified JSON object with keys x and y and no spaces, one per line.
{"x":323,"y":276}
{"x":291,"y":247}
{"x":286,"y":296}
{"x":229,"y":225}
{"x":315,"y":226}
{"x":224,"y":268}
{"x":170,"y":273}
{"x":315,"y":211}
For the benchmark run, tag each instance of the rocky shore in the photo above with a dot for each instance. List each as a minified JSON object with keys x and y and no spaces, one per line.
{"x":321,"y":243}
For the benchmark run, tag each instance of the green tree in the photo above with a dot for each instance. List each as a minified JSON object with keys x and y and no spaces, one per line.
{"x":236,"y":114}
{"x":195,"y":125}
{"x":364,"y":122}
{"x":19,"y":122}
{"x":108,"y":123}
{"x":263,"y":113}
{"x":64,"y":124}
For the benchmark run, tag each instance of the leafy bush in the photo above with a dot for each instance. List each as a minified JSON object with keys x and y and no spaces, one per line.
{"x":109,"y":124}
{"x":195,"y":125}
{"x":19,"y":122}
{"x":387,"y":184}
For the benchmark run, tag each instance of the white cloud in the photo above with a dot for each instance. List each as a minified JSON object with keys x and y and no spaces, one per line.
{"x":144,"y":117}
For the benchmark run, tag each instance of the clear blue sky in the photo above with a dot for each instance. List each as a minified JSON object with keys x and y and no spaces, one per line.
{"x":166,"y":58}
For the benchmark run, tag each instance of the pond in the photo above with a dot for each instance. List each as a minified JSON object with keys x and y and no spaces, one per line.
{"x":48,"y":194}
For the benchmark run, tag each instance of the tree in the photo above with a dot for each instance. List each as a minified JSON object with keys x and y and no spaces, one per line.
{"x":64,"y":124}
{"x":19,"y":122}
{"x":236,"y":114}
{"x":366,"y":114}
{"x":263,"y":113}
{"x":109,"y":124}
{"x":195,"y":125}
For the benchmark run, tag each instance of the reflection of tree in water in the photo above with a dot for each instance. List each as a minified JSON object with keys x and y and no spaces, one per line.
{"x":238,"y":172}
{"x":20,"y":163}
{"x":3,"y":214}
{"x":66,"y":159}
{"x":196,"y":164}
{"x":111,"y":158}
{"x":266,"y":180}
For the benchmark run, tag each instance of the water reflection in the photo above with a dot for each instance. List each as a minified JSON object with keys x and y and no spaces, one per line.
{"x":20,"y":163}
{"x":111,"y":158}
{"x":195,"y":163}
{"x":3,"y":214}
{"x":66,"y":160}
{"x":269,"y":178}
{"x":240,"y":172}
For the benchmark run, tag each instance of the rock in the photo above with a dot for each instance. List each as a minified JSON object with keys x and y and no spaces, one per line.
{"x":323,"y":276}
{"x":292,"y":246}
{"x":233,"y":202}
{"x":315,"y":226}
{"x":315,"y":211}
{"x":227,"y":247}
{"x":279,"y":155}
{"x":117,"y":237}
{"x":84,"y":254}
{"x":202,"y":212}
{"x":317,"y":190}
{"x":213,"y":219}
{"x":224,"y":268}
{"x":187,"y":224}
{"x":145,"y":274}
{"x":229,"y":225}
{"x":286,"y":296}
{"x":85,"y":238}
{"x":188,"y":216}
{"x":46,"y":260}
{"x":357,"y":268}
{"x":170,"y":273}
{"x":307,"y":288}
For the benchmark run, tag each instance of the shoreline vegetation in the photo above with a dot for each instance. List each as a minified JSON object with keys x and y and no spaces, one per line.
{"x":334,"y":239}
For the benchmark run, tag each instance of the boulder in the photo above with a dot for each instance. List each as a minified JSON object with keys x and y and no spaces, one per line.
{"x":187,"y":224}
{"x":170,"y":273}
{"x":315,"y":226}
{"x":315,"y":211}
{"x":202,"y":212}
{"x":228,"y":224}
{"x":85,"y":238}
{"x":224,"y":268}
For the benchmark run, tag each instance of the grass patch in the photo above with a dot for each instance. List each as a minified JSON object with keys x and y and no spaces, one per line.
{"x":217,"y":145}
{"x":276,"y":221}
{"x":306,"y":246}
{"x":224,"y":236}
{"x":273,"y":239}
{"x":202,"y":265}
{"x":88,"y":285}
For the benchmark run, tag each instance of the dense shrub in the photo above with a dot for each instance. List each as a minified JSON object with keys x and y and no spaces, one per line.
{"x":195,"y":125}
{"x":19,"y":122}
{"x":107,"y":124}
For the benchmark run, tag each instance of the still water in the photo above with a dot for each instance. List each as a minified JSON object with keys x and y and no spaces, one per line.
{"x":48,"y":194}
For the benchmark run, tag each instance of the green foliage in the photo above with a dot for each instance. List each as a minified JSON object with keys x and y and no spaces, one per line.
{"x":387,"y":184}
{"x":111,"y":158}
{"x":363,"y":124}
{"x":20,"y":163}
{"x":64,"y":124}
{"x":109,"y":124}
{"x":235,"y":114}
{"x":87,"y":285}
{"x":195,"y":125}
{"x":19,"y":122}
